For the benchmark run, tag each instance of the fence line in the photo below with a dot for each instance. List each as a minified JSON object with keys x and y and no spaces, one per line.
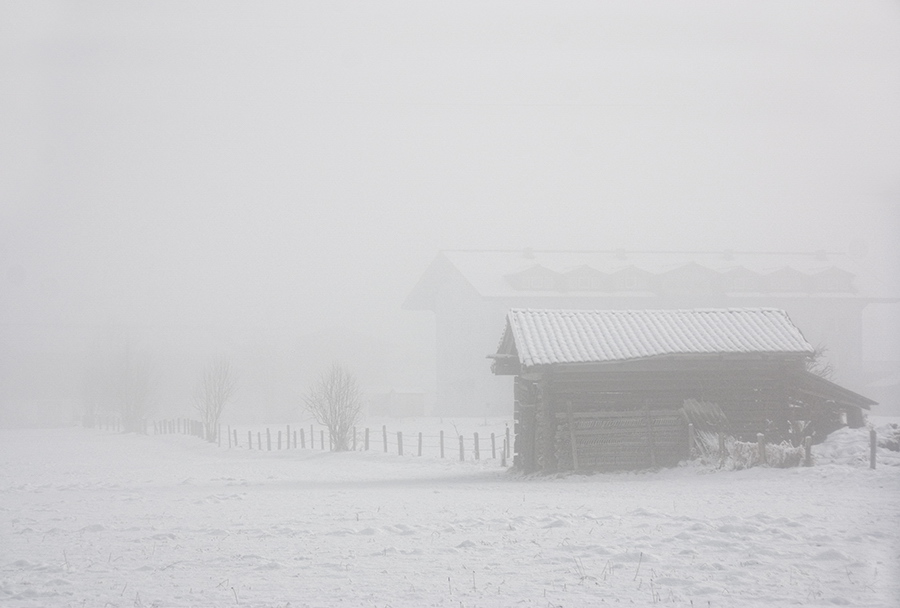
{"x":472,"y":446}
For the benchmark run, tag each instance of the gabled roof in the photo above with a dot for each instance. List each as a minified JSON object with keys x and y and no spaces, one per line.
{"x":547,"y":337}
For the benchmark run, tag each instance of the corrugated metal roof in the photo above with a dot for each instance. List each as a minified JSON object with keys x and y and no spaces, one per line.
{"x":544,"y":337}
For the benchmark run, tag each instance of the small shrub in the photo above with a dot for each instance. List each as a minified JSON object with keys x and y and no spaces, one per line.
{"x":745,"y":454}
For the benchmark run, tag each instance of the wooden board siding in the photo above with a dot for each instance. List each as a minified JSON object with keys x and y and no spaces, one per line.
{"x":608,"y":408}
{"x":753,"y":400}
{"x":607,"y":441}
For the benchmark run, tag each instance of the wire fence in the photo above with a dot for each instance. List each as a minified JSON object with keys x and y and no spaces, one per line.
{"x":491,"y":444}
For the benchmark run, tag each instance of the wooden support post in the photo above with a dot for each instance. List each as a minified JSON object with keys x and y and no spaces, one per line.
{"x":259,"y":441}
{"x":692,"y":440}
{"x":442,"y":444}
{"x":477,"y":447}
{"x":807,"y":451}
{"x":287,"y":437}
{"x":302,"y":438}
{"x":420,"y":444}
{"x":572,"y":438}
{"x":493,"y":447}
{"x":384,"y":436}
{"x":508,"y":443}
{"x":873,"y":443}
{"x":295,"y":439}
{"x":268,"y":439}
{"x":229,"y":437}
{"x":400,"y":443}
{"x":367,"y":439}
{"x":462,"y":453}
{"x":761,"y":446}
{"x":279,"y":439}
{"x":312,"y":438}
{"x":249,"y":440}
{"x":503,"y":454}
{"x":651,"y":444}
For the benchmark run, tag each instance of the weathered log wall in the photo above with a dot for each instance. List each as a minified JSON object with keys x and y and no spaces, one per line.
{"x":633,"y":418}
{"x":607,"y":441}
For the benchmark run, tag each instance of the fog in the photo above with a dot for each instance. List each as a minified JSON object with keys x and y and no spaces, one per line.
{"x":269,"y":181}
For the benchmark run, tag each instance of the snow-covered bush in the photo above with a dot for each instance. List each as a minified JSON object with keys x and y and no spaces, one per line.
{"x":739,"y":455}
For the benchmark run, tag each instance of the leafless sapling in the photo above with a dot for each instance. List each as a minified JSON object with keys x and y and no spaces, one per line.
{"x":215,"y":388}
{"x":334,"y":402}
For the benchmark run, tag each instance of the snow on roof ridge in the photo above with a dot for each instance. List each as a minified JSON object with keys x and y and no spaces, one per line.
{"x":546,"y":336}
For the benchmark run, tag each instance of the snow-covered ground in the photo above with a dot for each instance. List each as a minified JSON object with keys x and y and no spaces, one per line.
{"x":94,"y":518}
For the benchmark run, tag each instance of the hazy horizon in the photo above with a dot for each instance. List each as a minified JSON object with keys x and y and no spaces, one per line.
{"x":238,"y":178}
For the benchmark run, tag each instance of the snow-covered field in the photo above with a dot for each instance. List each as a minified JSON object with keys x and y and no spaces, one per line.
{"x":94,"y":518}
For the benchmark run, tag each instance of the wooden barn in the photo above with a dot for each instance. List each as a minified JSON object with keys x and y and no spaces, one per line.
{"x":615,"y":389}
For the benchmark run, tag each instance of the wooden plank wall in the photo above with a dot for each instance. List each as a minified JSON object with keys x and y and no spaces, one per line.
{"x":632,"y":419}
{"x":607,"y":441}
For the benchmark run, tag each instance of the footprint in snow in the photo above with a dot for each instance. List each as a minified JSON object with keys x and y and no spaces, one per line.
{"x":557,"y":523}
{"x":831,"y":554}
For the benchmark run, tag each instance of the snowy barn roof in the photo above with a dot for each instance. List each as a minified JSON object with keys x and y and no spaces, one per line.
{"x":546,"y":337}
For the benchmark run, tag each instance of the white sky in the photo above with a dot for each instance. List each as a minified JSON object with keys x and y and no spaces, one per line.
{"x":298,"y":165}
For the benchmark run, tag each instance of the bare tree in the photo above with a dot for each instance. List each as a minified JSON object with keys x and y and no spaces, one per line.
{"x":216,"y":387}
{"x":334,"y":402}
{"x":819,"y":364}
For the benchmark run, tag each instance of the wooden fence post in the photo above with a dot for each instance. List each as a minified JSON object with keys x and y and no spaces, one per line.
{"x":508,"y":444}
{"x":249,"y":440}
{"x":302,"y":438}
{"x":400,"y":443}
{"x":288,"y":437}
{"x":268,"y":439}
{"x":312,"y":438}
{"x":442,"y":444}
{"x":295,"y":439}
{"x":872,"y":444}
{"x":462,"y":454}
{"x":367,"y":439}
{"x":477,"y":448}
{"x":259,"y":441}
{"x":493,"y":447}
{"x":384,"y":436}
{"x":807,"y":451}
{"x":279,"y":439}
{"x":761,"y":445}
{"x":420,"y":444}
{"x":229,"y":437}
{"x":503,"y":454}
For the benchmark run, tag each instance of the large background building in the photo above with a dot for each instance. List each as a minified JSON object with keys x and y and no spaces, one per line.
{"x":470,"y":292}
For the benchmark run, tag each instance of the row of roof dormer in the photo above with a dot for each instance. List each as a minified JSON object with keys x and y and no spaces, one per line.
{"x":691,"y":277}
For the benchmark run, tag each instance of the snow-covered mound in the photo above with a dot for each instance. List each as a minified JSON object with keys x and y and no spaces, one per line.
{"x":848,"y":446}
